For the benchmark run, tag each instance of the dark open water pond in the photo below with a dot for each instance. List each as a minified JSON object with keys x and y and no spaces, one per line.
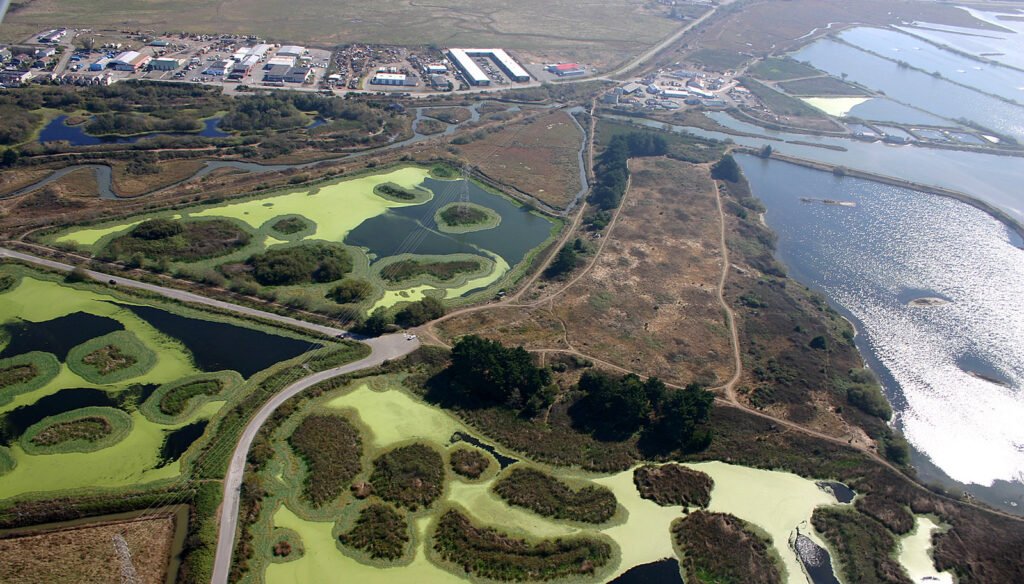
{"x":176,"y":442}
{"x":217,"y":346}
{"x":519,"y":231}
{"x":57,"y":336}
{"x":661,"y":572}
{"x":57,"y":131}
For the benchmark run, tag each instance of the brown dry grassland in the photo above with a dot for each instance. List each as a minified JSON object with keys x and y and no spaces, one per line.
{"x":540,"y":157}
{"x":86,"y":555}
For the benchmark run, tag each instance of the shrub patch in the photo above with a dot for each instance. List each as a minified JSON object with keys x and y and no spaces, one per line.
{"x":409,"y":476}
{"x":380,"y":531}
{"x":673,"y":484}
{"x":180,"y":241}
{"x":332,"y":449}
{"x":465,"y":218}
{"x":717,"y":547}
{"x":547,"y":496}
{"x":470,"y":463}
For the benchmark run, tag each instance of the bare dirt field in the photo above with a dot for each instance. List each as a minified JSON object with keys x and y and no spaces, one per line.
{"x":614,"y":29}
{"x":649,"y":302}
{"x":540,"y":157}
{"x":86,"y":555}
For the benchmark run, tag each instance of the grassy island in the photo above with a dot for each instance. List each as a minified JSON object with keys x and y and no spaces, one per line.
{"x":547,"y":496}
{"x":26,"y":372}
{"x":673,"y":484}
{"x":485,"y":552}
{"x":465,"y":218}
{"x":399,"y":194}
{"x":469,"y":463}
{"x":179,"y":241}
{"x":111,"y":358}
{"x":83,"y":430}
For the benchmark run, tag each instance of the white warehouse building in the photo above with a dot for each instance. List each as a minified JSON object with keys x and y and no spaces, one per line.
{"x":463,"y":59}
{"x":291,"y":51}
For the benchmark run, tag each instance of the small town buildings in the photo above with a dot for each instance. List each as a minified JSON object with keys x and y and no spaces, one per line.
{"x":299,"y":75}
{"x":130,"y":61}
{"x":165,"y":64}
{"x":437,"y":69}
{"x":276,"y":74}
{"x":388,"y":79}
{"x":219,"y":68}
{"x":14,"y":78}
{"x":567,"y":69}
{"x":291,"y":51}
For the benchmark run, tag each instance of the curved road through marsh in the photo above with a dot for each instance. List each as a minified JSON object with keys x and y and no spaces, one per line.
{"x":382,"y":349}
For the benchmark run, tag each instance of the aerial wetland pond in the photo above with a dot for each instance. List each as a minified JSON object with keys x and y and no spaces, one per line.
{"x":101,"y":391}
{"x":379,"y":240}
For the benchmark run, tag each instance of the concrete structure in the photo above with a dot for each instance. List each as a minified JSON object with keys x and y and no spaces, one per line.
{"x":388,"y":79}
{"x":463,"y":59}
{"x":165,"y":64}
{"x":130,"y":61}
{"x":291,"y":51}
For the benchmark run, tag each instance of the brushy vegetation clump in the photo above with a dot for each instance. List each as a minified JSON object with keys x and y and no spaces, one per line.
{"x":301,"y":264}
{"x":673,"y":484}
{"x":409,"y":476}
{"x":463,"y":215}
{"x":82,"y":430}
{"x":488,"y":553}
{"x":351,"y":291}
{"x":470,"y":463}
{"x":717,"y":547}
{"x":403,"y":270}
{"x":290,"y":225}
{"x":865,"y":550}
{"x":332,"y":449}
{"x":179,"y":241}
{"x":381,"y":532}
{"x":545,"y":495}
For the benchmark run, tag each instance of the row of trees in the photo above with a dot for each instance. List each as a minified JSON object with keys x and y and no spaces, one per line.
{"x":612,"y":173}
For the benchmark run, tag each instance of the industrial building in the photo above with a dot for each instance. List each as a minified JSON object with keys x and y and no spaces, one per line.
{"x":299,"y":75}
{"x":567,"y":69}
{"x":52,"y":36}
{"x":675,"y":93}
{"x":388,"y":79}
{"x":130,"y":61}
{"x":219,"y":68}
{"x":436,"y":69}
{"x":463,"y":59}
{"x":291,"y":51}
{"x":279,"y":60}
{"x":276,"y":74}
{"x":165,"y":64}
{"x":14,"y":78}
{"x":244,"y":67}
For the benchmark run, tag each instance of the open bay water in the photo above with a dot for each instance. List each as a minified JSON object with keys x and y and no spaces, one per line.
{"x":954,"y":372}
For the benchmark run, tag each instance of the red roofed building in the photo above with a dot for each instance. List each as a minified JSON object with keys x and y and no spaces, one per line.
{"x":567,"y":69}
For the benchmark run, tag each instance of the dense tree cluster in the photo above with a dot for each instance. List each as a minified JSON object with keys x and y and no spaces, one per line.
{"x":128,"y":124}
{"x":419,"y":312}
{"x":617,"y":408}
{"x":18,"y":124}
{"x":350,"y":291}
{"x":284,"y":110}
{"x":611,"y":170}
{"x":726,"y":169}
{"x":486,"y":372}
{"x":311,"y":262}
{"x":565,"y":262}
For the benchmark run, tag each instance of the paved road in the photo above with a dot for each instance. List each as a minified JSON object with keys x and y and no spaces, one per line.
{"x":384,"y":348}
{"x":181,"y":295}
